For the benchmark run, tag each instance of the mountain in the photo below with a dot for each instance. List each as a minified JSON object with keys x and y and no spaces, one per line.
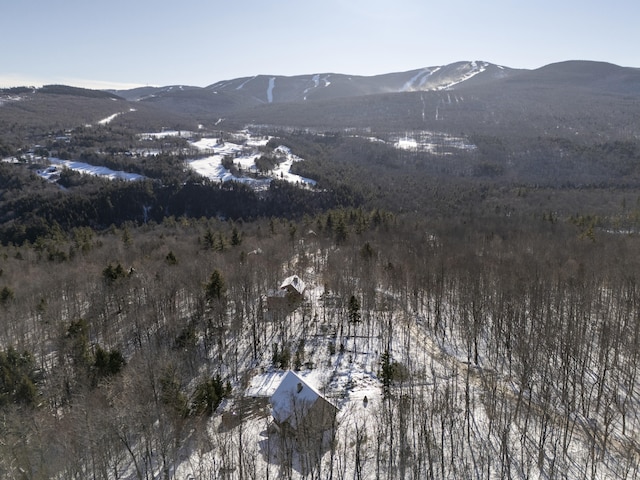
{"x":570,"y":123}
{"x":463,"y":96}
{"x":467,"y":247}
{"x":28,"y":113}
{"x":245,"y":92}
{"x":239,"y":94}
{"x":474,"y":96}
{"x":594,"y":76}
{"x":274,"y":89}
{"x":261,"y":89}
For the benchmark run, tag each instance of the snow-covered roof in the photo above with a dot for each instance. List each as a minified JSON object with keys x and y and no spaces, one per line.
{"x":265,"y":384}
{"x":294,"y":282}
{"x":293,"y":395}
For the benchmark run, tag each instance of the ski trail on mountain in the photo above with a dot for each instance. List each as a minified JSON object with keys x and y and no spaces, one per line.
{"x":272,"y":84}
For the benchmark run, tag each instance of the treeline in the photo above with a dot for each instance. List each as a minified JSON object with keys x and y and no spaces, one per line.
{"x":556,"y":178}
{"x":33,"y":209}
{"x":553,"y":162}
{"x":76,"y":91}
{"x":505,"y":176}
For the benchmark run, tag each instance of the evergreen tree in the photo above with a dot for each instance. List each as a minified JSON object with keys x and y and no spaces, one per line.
{"x":18,"y":378}
{"x":208,"y":396}
{"x":236,"y":238}
{"x":209,"y":239}
{"x":354,"y":309}
{"x":341,"y":233}
{"x":112,"y":274}
{"x":106,"y":364}
{"x":386,"y":373}
{"x":216,"y":288}
{"x":171,"y":258}
{"x":6,"y":295}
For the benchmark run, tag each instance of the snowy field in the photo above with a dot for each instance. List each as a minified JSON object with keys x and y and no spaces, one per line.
{"x":244,"y":158}
{"x":53,"y":172}
{"x":244,"y":154}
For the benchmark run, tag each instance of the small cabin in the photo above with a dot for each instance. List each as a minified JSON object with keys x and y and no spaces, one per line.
{"x":288,"y":296}
{"x":293,"y":285}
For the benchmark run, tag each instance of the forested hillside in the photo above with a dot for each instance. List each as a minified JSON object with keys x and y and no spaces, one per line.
{"x":486,"y":350}
{"x":467,"y":251}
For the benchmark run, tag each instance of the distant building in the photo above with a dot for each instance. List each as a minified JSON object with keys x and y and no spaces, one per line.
{"x":298,"y":407}
{"x":293,"y":285}
{"x":288,"y":296}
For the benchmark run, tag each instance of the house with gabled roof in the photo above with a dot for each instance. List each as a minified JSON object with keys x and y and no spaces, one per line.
{"x":288,"y":297}
{"x":293,"y":285}
{"x":297,"y":406}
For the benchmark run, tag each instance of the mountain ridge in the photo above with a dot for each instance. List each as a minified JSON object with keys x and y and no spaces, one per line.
{"x":594,"y":98}
{"x":307,"y":86}
{"x":303,"y":87}
{"x":248,"y":97}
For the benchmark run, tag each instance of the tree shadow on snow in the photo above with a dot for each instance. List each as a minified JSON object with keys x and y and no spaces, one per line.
{"x":294,"y":451}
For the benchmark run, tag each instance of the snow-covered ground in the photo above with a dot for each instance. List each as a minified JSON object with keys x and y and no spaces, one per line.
{"x":272,"y":84}
{"x":418,"y":80}
{"x":53,"y":171}
{"x":9,"y":98}
{"x":432,"y":142}
{"x":437,"y":143}
{"x":347,"y":378}
{"x":244,"y":159}
{"x":110,"y":118}
{"x":475,"y":69}
{"x":244,"y":151}
{"x":166,"y":133}
{"x":317,"y":84}
{"x":465,"y":430}
{"x":463,"y":73}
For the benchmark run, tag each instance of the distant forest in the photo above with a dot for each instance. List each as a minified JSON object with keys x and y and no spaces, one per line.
{"x":494,"y":178}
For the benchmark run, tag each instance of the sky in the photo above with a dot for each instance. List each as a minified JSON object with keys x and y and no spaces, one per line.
{"x":127,"y":43}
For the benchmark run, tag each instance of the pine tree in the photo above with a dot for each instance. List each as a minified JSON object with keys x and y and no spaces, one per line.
{"x":236,"y":239}
{"x":386,"y":373}
{"x":354,"y":309}
{"x":216,"y":287}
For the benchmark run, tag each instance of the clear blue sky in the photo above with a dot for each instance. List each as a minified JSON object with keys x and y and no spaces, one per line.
{"x":199,"y":42}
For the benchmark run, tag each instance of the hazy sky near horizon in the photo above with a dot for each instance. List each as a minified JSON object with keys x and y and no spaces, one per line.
{"x":123,"y":43}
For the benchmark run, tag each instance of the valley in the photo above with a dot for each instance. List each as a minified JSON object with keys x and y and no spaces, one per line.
{"x":422,"y":274}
